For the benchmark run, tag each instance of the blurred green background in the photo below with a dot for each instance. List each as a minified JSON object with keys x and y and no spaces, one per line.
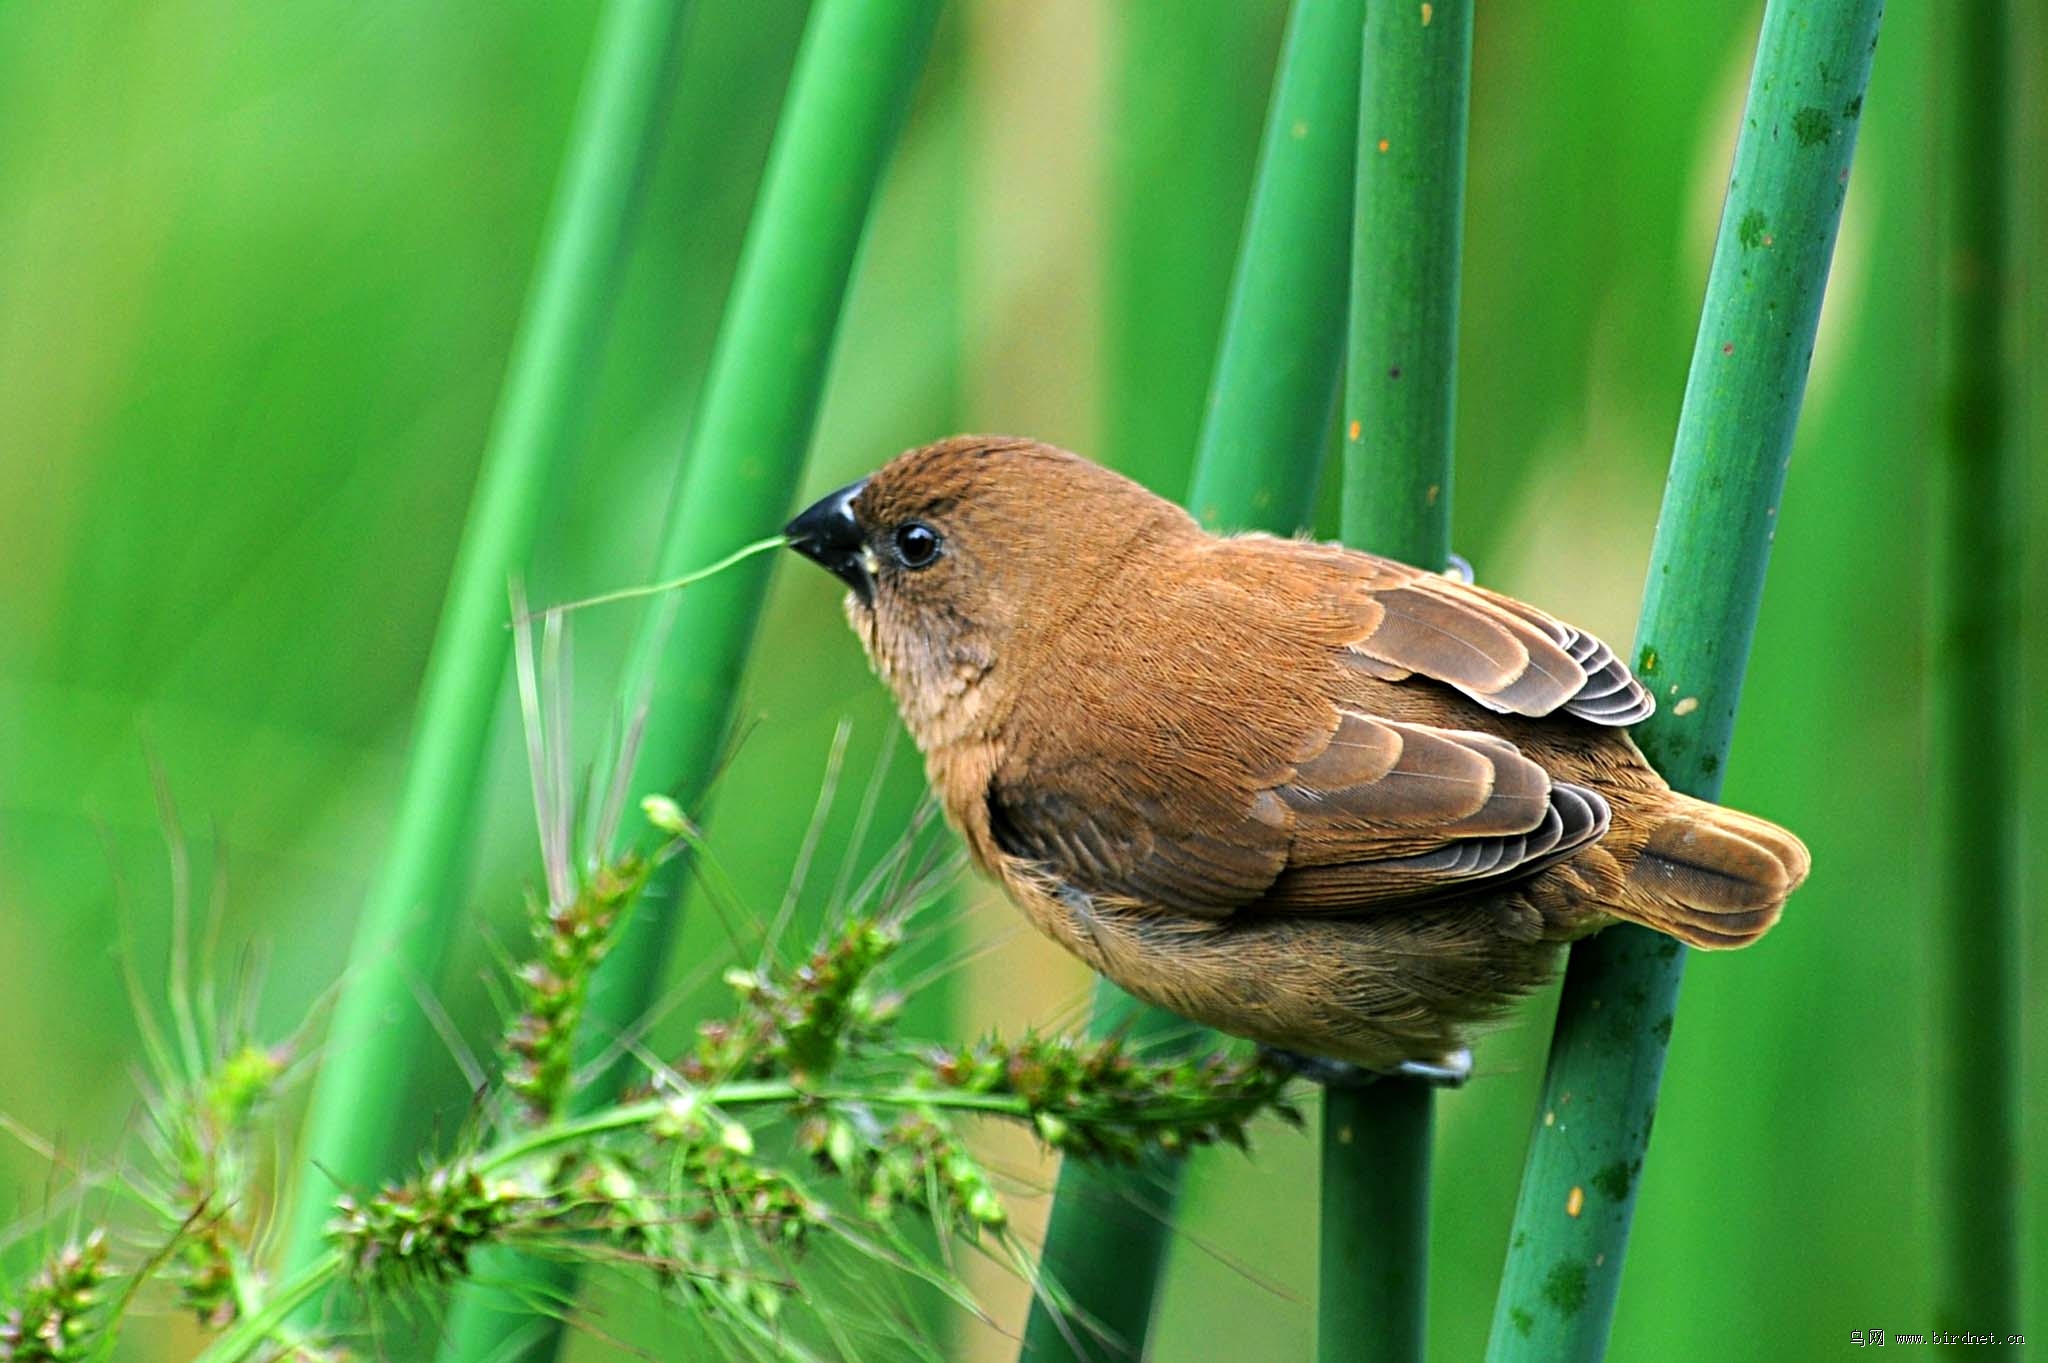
{"x":260,"y":268}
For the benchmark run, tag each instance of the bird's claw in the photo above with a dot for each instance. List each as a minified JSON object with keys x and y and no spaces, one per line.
{"x":1458,"y":568}
{"x":1449,"y":1072}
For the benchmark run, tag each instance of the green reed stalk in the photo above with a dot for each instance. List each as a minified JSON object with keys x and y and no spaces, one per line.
{"x":1173,"y":222}
{"x":1399,"y":395}
{"x":1260,"y":452}
{"x":851,"y":88}
{"x":848,"y":96}
{"x":1742,"y":397}
{"x":414,"y":905}
{"x":1975,"y":664}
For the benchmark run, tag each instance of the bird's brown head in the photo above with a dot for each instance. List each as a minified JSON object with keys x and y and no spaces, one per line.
{"x":963,"y":557}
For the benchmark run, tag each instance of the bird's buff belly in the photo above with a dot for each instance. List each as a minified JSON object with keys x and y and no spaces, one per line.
{"x":1375,"y":990}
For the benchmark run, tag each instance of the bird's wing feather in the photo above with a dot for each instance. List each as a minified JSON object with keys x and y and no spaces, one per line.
{"x":1391,"y":813}
{"x":1393,"y":622}
{"x":1378,"y":813}
{"x":1285,"y":756}
{"x":1190,"y":856}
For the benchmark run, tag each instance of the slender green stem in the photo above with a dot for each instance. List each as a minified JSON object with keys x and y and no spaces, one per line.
{"x":625,"y":1117}
{"x":1975,"y":664}
{"x":266,"y":1326}
{"x":413,"y":906}
{"x":1742,"y":400}
{"x":1173,"y":222}
{"x":1399,"y":392}
{"x":1373,"y":1245}
{"x":854,"y":78}
{"x":1400,"y":386}
{"x":1106,"y":1247}
{"x":661,"y":588}
{"x":847,"y":98}
{"x":1282,"y":351}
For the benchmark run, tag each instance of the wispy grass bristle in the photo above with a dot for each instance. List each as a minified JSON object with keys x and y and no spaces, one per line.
{"x":797,"y":1157}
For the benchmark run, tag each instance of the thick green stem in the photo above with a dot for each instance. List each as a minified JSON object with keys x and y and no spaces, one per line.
{"x":1399,"y":392}
{"x":847,"y":98}
{"x":1178,"y":170}
{"x":1261,"y":448}
{"x":413,"y":906}
{"x":852,"y":86}
{"x":1742,"y":398}
{"x":1400,"y":387}
{"x":854,"y":78}
{"x":1262,"y":444}
{"x":1373,"y":1247}
{"x":1975,"y":661}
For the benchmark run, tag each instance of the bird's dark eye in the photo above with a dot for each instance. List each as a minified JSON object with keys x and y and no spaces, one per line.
{"x":917,"y":544}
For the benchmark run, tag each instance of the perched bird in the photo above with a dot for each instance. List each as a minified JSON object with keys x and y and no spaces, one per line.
{"x":1305,"y":795}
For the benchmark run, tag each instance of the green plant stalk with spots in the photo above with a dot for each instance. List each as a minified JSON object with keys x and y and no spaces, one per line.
{"x":1260,"y":453}
{"x":848,"y":96}
{"x":1742,"y":398}
{"x":1399,"y":394}
{"x":1400,"y":387}
{"x":414,"y":905}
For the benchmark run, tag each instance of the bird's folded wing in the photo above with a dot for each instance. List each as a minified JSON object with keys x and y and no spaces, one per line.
{"x":1394,"y":622}
{"x":1391,"y":813}
{"x":1378,"y":813}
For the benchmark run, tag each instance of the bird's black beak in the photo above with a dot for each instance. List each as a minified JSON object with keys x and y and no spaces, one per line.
{"x":828,"y":535}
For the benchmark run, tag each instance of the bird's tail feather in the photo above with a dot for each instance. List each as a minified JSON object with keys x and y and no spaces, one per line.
{"x":1712,"y":877}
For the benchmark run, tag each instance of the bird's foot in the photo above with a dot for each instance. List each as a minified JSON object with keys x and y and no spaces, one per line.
{"x":1449,"y":1072}
{"x":1318,"y":1069}
{"x":1458,"y":568}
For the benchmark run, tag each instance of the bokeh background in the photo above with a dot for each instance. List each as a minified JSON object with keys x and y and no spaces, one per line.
{"x":260,"y":267}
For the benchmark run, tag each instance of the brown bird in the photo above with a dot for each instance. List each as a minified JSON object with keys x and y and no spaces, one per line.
{"x":1305,"y":795}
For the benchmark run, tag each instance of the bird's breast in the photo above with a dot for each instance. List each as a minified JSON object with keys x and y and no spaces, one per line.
{"x":960,"y":773}
{"x":947,"y":695}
